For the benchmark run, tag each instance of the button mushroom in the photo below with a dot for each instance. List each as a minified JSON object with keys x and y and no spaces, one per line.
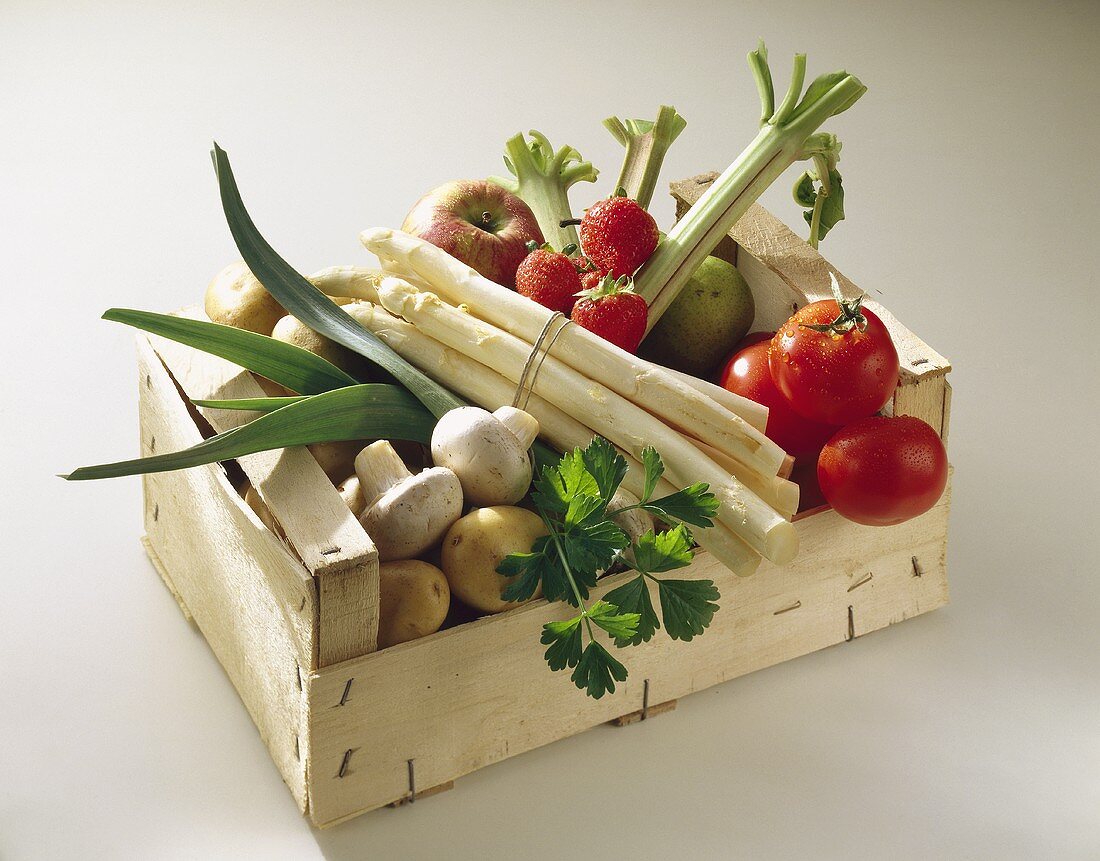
{"x":405,"y":514}
{"x":487,"y":451}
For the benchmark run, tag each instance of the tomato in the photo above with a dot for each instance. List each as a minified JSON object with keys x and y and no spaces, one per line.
{"x":836,"y":376}
{"x":883,"y":470}
{"x":746,"y":373}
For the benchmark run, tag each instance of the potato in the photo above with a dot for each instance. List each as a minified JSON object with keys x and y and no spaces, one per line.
{"x":413,"y":601}
{"x":352,"y":494}
{"x":477,"y":543}
{"x":236,"y":298}
{"x":290,"y":330}
{"x":337,"y":459}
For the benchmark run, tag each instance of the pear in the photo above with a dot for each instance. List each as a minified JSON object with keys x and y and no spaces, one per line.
{"x":703,"y":324}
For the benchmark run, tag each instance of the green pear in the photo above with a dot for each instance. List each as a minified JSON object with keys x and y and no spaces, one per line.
{"x":703,"y":324}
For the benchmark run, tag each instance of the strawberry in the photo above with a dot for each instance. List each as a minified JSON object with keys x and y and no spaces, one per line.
{"x":591,"y":280}
{"x":613,"y":311}
{"x":548,"y":277}
{"x":583,"y":264}
{"x":618,"y":235}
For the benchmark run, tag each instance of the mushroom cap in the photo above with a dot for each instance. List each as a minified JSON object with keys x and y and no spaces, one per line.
{"x":412,"y":516}
{"x":492,"y":465}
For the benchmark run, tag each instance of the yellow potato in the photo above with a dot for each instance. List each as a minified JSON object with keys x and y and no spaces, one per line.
{"x":236,"y":298}
{"x":413,"y":601}
{"x":352,"y":494}
{"x":291,"y":331}
{"x":477,"y":543}
{"x":337,"y":459}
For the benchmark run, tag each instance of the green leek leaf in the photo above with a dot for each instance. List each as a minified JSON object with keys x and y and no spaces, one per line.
{"x":310,"y":305}
{"x":297,"y":369}
{"x":368,"y":411}
{"x":255,"y":405}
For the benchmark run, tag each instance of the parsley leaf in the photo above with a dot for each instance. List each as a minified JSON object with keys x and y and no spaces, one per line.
{"x":541,"y":565}
{"x":654,"y":469}
{"x":606,"y":466}
{"x":609,"y":617}
{"x":672,"y":549}
{"x":589,"y":549}
{"x":558,"y":485}
{"x":633,"y":597}
{"x":598,"y":671}
{"x":687,"y":606}
{"x":695,"y":505}
{"x":564,"y":640}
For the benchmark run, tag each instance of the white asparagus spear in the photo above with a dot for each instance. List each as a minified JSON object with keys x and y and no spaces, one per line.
{"x":626,"y":425}
{"x":640,"y":382}
{"x":752,"y":412}
{"x":779,"y":493}
{"x":487,"y":388}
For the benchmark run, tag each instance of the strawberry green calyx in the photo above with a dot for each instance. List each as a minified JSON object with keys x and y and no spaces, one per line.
{"x":608,"y":285}
{"x":646,"y":142}
{"x":541,"y":177}
{"x":787,"y":134}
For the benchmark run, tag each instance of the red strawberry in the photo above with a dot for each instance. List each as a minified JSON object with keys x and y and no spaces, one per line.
{"x":583,"y":264}
{"x":613,"y":311}
{"x":548,"y":277}
{"x":618,"y":235}
{"x":591,"y":280}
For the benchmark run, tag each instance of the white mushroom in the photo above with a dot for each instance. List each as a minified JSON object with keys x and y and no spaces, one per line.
{"x":487,"y":451}
{"x":405,"y":514}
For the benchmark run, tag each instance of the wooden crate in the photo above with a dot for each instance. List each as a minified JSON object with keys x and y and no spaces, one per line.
{"x":294,"y":622}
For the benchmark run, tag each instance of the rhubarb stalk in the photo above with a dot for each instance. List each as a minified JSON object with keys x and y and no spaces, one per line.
{"x":646,"y":143}
{"x":786,"y":135}
{"x":541,"y":177}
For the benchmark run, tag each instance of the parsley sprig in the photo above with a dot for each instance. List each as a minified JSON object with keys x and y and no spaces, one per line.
{"x":583,"y":541}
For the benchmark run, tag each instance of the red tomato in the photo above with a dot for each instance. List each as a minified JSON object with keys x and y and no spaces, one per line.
{"x":746,"y":373}
{"x":835,"y":376}
{"x":881,"y":470}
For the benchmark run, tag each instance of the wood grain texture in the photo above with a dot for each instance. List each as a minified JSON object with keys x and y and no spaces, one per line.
{"x":319,"y":526}
{"x":241,"y":587}
{"x":473,"y":695}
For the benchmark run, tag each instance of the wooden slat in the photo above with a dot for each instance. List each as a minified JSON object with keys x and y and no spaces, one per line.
{"x":473,"y":695}
{"x":318,"y":525}
{"x":247,"y":594}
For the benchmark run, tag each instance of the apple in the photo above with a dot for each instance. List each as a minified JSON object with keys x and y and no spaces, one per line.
{"x":483,"y":225}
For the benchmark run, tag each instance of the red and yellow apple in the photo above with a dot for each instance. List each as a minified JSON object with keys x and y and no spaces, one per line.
{"x":481,"y":224}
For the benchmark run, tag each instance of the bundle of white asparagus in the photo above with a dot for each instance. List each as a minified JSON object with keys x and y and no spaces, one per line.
{"x":475,"y":338}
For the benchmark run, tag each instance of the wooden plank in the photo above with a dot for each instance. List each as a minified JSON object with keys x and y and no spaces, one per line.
{"x":928,"y":398}
{"x":240,"y":585}
{"x":317,"y":523}
{"x":479,"y":693}
{"x":784,"y":272}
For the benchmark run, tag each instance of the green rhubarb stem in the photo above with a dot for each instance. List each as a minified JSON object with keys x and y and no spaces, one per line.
{"x":646,"y":144}
{"x":776,"y":147}
{"x":541,"y":178}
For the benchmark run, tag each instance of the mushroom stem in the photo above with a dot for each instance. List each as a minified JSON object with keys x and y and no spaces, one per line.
{"x":523,"y":425}
{"x":379,"y":468}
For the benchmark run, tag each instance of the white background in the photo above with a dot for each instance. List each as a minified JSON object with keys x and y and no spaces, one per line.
{"x":972,"y":191}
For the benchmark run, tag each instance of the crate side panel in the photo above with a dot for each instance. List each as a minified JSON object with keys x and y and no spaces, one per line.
{"x":236,"y":581}
{"x":474,"y":695}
